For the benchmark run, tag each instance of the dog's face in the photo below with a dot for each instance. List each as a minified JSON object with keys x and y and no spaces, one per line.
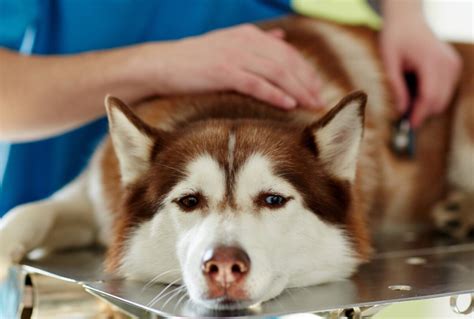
{"x":238,"y":210}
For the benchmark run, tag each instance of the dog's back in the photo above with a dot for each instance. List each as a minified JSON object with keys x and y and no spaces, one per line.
{"x":347,"y":59}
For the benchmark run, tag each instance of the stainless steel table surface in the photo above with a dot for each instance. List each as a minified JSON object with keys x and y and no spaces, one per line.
{"x":408,"y":265}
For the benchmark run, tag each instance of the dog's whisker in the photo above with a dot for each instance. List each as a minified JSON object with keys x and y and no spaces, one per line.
{"x":155,"y":299}
{"x":173,"y":296}
{"x":158,"y":297}
{"x":167,"y":294}
{"x":172,"y":292}
{"x":155,"y":279}
{"x":180,"y":300}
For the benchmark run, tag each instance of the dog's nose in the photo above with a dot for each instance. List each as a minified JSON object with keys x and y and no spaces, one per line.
{"x":225,"y":266}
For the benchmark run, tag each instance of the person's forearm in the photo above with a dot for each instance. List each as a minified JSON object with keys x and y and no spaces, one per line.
{"x":41,"y":96}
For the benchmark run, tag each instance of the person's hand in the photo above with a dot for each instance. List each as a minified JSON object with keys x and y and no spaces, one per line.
{"x":243,"y":58}
{"x":408,"y":45}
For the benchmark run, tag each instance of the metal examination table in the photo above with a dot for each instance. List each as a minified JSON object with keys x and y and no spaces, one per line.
{"x":409,"y":265}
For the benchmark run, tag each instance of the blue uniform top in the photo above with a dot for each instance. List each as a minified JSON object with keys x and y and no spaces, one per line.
{"x":31,"y":171}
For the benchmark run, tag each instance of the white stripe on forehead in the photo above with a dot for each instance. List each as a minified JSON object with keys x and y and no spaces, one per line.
{"x":257,"y":175}
{"x":203,"y":174}
{"x":230,"y":152}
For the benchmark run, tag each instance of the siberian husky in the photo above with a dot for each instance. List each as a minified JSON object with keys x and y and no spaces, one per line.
{"x":239,"y":200}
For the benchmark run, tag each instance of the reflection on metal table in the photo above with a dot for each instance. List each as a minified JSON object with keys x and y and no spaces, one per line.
{"x":407,"y":266}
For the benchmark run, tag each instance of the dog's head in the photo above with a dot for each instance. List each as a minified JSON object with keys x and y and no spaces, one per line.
{"x":239,"y":209}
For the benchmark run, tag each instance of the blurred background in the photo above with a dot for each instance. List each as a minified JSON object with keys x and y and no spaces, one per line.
{"x":451,"y":19}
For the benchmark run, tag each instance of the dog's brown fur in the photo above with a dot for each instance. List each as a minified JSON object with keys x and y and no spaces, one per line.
{"x":347,"y":59}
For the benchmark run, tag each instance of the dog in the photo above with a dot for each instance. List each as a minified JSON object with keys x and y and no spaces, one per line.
{"x":239,"y":200}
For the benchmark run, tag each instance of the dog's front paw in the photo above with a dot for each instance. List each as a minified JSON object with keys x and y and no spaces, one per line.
{"x":21,"y":230}
{"x":455,"y":215}
{"x":11,"y":252}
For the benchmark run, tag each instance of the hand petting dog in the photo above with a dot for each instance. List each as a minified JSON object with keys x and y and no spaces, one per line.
{"x":244,"y":58}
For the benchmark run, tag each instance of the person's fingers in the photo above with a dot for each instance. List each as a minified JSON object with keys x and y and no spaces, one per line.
{"x":447,"y":82}
{"x":306,"y":74}
{"x":254,"y":85}
{"x":428,"y":98}
{"x":279,"y":76}
{"x":442,"y":96}
{"x":313,"y":81}
{"x":284,"y":55}
{"x":420,"y":111}
{"x":394,"y":69}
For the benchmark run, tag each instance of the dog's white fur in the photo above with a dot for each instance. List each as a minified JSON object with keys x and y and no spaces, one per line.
{"x":269,"y":237}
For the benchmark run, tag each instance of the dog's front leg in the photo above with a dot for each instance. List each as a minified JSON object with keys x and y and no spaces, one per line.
{"x":64,"y":220}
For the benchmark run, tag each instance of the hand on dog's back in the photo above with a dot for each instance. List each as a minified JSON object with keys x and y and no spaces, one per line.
{"x":243,"y":58}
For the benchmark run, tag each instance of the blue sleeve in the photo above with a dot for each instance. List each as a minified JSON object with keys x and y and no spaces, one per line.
{"x":16,"y":16}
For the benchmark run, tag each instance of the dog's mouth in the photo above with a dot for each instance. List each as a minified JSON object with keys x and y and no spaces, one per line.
{"x":228,"y":304}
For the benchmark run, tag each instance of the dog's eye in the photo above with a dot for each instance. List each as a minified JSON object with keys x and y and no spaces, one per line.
{"x":272,"y":200}
{"x":189,"y":202}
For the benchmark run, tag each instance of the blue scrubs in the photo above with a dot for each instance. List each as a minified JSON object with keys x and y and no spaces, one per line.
{"x":31,"y":171}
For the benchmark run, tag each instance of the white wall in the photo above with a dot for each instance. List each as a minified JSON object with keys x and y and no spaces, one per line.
{"x":451,"y":19}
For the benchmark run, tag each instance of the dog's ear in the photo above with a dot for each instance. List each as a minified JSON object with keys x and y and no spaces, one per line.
{"x":133,"y":139}
{"x":337,"y":135}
